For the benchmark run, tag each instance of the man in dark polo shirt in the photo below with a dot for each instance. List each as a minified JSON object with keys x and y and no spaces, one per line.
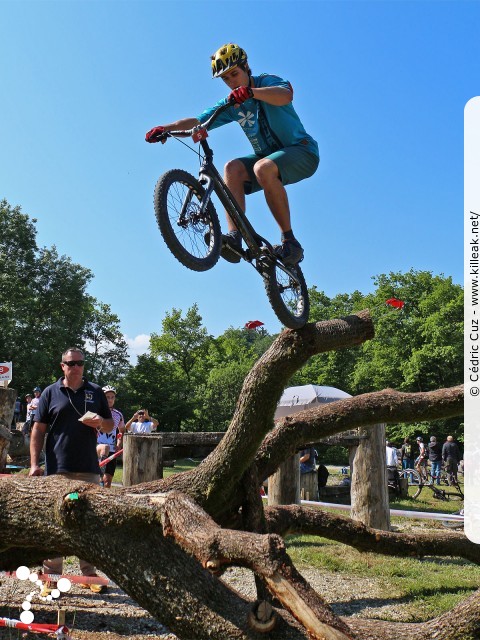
{"x":71,"y":447}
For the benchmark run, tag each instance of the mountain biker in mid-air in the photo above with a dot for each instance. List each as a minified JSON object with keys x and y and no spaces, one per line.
{"x":283,"y":152}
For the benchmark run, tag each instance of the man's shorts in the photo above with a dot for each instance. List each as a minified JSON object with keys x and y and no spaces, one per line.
{"x":294,"y":164}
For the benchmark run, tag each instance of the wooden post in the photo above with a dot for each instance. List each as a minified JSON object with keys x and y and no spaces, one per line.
{"x":369,"y":491}
{"x":309,"y":486}
{"x":284,"y":484}
{"x":142,"y":458}
{"x":7,"y":407}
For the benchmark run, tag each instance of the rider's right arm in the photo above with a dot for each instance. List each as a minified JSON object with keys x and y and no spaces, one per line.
{"x":36,"y":445}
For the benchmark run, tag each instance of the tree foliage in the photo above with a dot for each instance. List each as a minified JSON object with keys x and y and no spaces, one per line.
{"x":45,"y":308}
{"x":107,"y":357}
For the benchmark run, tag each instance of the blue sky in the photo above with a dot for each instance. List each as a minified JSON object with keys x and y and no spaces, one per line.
{"x":381,"y":86}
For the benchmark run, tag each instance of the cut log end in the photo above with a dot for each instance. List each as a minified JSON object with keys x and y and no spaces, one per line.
{"x":262,"y":617}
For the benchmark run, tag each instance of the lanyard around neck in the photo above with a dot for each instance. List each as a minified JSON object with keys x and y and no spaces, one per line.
{"x":70,"y":400}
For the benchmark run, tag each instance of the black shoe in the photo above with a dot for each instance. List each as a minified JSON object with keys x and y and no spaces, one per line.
{"x":289,"y":252}
{"x":231,"y":240}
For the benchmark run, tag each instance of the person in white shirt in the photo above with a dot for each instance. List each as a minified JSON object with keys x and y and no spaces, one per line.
{"x":392,"y":461}
{"x":109,"y":443}
{"x":391,"y":454}
{"x":141,"y":423}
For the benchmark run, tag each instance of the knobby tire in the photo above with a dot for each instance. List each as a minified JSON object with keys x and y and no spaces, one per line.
{"x":289,"y":300}
{"x":194,"y":238}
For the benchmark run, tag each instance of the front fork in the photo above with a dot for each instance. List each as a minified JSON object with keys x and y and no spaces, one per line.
{"x":182,"y":219}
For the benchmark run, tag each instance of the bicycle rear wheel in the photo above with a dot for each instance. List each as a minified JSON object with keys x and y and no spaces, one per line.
{"x":193,"y":236}
{"x":288,"y":297}
{"x":415,"y":482}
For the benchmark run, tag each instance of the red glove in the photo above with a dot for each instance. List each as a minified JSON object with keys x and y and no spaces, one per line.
{"x":154,"y":134}
{"x":240,"y":94}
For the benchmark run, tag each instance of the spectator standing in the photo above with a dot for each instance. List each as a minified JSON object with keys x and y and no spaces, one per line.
{"x":406,"y":454}
{"x":37,"y":392}
{"x":451,"y":457}
{"x":391,"y":454}
{"x":71,"y":441}
{"x":307,"y":460}
{"x":141,"y":423}
{"x":391,"y":459}
{"x":422,"y":460}
{"x":109,"y":443}
{"x":29,"y":418}
{"x":435,"y":457}
{"x":28,"y":399}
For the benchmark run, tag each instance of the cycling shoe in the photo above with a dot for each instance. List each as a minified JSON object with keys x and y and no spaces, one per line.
{"x":289,"y":252}
{"x":231,"y":240}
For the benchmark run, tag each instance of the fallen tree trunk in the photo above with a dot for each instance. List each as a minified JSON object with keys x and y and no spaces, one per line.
{"x":176,"y":536}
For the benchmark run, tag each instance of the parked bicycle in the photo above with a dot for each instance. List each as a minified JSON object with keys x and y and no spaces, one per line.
{"x":191,"y":230}
{"x":417,"y":482}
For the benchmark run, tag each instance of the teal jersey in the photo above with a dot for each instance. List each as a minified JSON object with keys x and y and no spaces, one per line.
{"x":268,"y":127}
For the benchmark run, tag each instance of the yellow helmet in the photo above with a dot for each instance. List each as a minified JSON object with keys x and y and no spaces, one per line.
{"x":226,"y":58}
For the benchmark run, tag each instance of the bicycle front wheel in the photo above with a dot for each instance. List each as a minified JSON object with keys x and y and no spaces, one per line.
{"x":415,"y":482}
{"x":192,"y":233}
{"x":288,"y":297}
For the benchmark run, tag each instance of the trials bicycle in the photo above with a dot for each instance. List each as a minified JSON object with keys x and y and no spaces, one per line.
{"x":416,"y":482}
{"x":191,"y":230}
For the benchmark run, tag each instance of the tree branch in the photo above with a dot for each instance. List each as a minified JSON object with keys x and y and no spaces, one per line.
{"x":360,"y":411}
{"x":289,"y":519}
{"x":214,"y":483}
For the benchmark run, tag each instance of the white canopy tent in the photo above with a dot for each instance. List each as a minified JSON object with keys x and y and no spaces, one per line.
{"x":295,"y":399}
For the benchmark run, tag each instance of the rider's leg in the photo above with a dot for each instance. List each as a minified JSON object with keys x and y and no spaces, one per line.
{"x":235,"y":175}
{"x":268,"y":176}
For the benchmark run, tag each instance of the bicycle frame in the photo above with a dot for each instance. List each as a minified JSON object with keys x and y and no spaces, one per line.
{"x":213,"y":182}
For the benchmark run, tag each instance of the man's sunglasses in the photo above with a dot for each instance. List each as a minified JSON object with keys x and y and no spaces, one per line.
{"x":72,"y":363}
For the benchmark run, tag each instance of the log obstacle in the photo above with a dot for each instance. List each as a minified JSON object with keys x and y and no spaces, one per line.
{"x":145,"y":455}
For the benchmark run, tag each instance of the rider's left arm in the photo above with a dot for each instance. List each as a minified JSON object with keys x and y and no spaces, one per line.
{"x":278,"y":96}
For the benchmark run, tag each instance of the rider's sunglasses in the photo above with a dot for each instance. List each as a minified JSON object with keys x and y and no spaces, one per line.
{"x":72,"y":363}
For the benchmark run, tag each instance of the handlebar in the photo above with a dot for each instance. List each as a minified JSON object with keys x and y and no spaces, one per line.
{"x":195,"y":132}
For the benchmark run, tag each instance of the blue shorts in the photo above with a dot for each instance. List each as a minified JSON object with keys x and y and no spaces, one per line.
{"x":294,"y":164}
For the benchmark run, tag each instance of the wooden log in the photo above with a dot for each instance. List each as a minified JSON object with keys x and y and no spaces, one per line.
{"x":142,"y":458}
{"x":200,"y":438}
{"x":369,"y":493}
{"x":403,"y":484}
{"x":284,"y":484}
{"x":7,"y":407}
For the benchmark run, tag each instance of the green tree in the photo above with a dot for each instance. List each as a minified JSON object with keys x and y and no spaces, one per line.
{"x":45,"y":309}
{"x":43,"y":301}
{"x":184,"y":343}
{"x":229,"y":359}
{"x":419,"y":347}
{"x":157,"y":386}
{"x":107,"y":350}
